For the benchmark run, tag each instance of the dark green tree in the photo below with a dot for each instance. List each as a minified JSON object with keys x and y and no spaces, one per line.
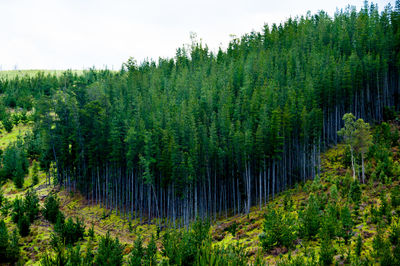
{"x":109,"y":251}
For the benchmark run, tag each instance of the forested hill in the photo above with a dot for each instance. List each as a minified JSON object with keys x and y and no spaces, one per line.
{"x":207,"y":133}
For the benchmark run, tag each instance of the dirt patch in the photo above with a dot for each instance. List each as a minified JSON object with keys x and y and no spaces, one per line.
{"x":278,"y":250}
{"x":366,"y":234}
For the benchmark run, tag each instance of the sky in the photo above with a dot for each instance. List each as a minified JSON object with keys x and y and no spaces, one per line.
{"x":79,"y":34}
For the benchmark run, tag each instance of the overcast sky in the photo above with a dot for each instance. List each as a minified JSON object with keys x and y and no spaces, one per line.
{"x":76,"y":34}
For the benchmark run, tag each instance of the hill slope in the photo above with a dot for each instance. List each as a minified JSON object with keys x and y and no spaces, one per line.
{"x":376,"y":211}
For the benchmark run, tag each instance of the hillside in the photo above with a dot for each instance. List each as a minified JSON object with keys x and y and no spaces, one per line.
{"x":376,"y":211}
{"x":282,"y":148}
{"x":208,"y":133}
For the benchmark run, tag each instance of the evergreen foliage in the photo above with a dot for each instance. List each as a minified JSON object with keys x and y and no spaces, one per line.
{"x":109,"y":252}
{"x":150,"y":254}
{"x":310,"y":218}
{"x":182,"y":247}
{"x":207,"y":133}
{"x":137,"y":253}
{"x":358,"y":246}
{"x":31,"y":205}
{"x":217,"y":131}
{"x":15,"y":163}
{"x":346,"y":224}
{"x":279,"y":229}
{"x":51,"y":208}
{"x":69,"y":231}
{"x":9,"y":246}
{"x":35,"y":173}
{"x":23,"y":225}
{"x":395,"y":197}
{"x":327,"y":251}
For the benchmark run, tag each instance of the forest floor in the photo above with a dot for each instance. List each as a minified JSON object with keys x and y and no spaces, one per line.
{"x":243,"y":229}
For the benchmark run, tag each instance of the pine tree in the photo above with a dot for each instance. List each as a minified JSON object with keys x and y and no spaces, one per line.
{"x":35,"y":171}
{"x":51,"y":208}
{"x":150,"y":254}
{"x":346,"y":224}
{"x":4,"y":242}
{"x":109,"y":251}
{"x":358,"y":246}
{"x":137,"y":253}
{"x":31,"y":205}
{"x":311,"y":218}
{"x":23,"y":225}
{"x":355,"y":193}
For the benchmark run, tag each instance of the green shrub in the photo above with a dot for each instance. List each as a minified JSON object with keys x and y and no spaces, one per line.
{"x":51,"y":208}
{"x":326,"y":252}
{"x":91,"y":232}
{"x":4,"y":244}
{"x":375,"y":215}
{"x":200,"y":231}
{"x":358,"y":246}
{"x":6,"y":207}
{"x":334,"y":196}
{"x":292,"y":261}
{"x":74,"y":255}
{"x":310,"y":218}
{"x":384,"y":167}
{"x":355,"y":192}
{"x":59,"y":224}
{"x":329,"y":223}
{"x":60,"y":256}
{"x":35,"y":173}
{"x":23,"y":225}
{"x":15,"y":163}
{"x":384,"y":209}
{"x":69,"y":231}
{"x":287,"y":202}
{"x":279,"y":229}
{"x":316,"y":184}
{"x":31,"y":205}
{"x":137,"y":253}
{"x":233,"y":254}
{"x":171,"y":246}
{"x":73,"y":231}
{"x":346,"y":224}
{"x":151,"y":250}
{"x":181,"y":246}
{"x":109,"y":251}
{"x":384,"y":136}
{"x":89,"y":256}
{"x":380,"y":245}
{"x":9,"y":248}
{"x":17,"y":210}
{"x":13,"y":249}
{"x":25,"y":211}
{"x":345,"y":184}
{"x":2,"y":198}
{"x":8,"y":123}
{"x":395,"y":197}
{"x":69,"y":255}
{"x":394,"y":233}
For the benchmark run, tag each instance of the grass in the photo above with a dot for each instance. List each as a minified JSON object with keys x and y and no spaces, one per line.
{"x":8,"y":137}
{"x":9,"y":74}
